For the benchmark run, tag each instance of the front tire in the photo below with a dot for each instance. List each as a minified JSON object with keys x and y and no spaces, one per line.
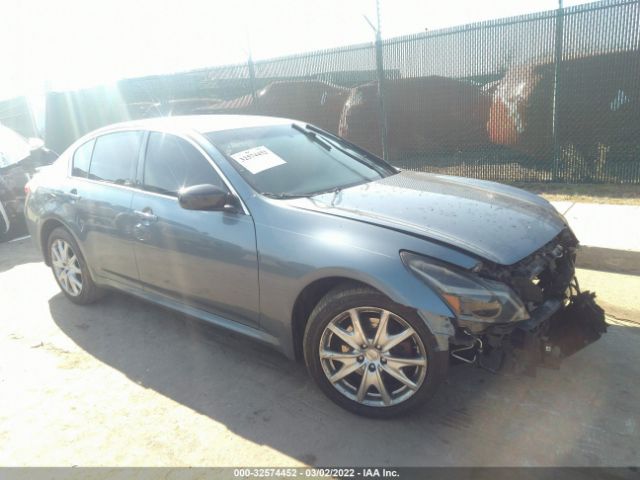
{"x":70,"y":268}
{"x":371,"y":355}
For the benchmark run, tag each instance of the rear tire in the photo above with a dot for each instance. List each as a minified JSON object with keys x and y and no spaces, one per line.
{"x":371,"y":371}
{"x":70,"y":268}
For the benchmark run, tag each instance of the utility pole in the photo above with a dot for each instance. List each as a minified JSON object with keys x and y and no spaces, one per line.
{"x":252,"y":70}
{"x":381,"y":81}
{"x":556,"y":82}
{"x":252,"y":80}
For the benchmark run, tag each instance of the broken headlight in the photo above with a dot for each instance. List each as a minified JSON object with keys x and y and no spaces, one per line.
{"x":468,"y":296}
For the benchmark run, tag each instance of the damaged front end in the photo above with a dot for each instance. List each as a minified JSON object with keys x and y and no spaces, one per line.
{"x":555,"y":319}
{"x":556,"y":330}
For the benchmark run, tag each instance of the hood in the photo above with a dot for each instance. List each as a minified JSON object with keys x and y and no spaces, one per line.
{"x":499,"y":223}
{"x":13,"y":147}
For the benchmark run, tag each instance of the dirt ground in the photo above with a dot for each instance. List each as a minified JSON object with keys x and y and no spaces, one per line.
{"x":127,"y":383}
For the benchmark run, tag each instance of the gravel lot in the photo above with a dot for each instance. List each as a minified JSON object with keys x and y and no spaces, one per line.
{"x":127,"y":383}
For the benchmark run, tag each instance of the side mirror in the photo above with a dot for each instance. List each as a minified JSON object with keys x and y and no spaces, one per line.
{"x":206,"y":197}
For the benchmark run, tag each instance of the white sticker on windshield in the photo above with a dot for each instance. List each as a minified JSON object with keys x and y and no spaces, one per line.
{"x":257,"y":159}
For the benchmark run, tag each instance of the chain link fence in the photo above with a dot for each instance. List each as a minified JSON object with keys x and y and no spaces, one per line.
{"x":551,"y":96}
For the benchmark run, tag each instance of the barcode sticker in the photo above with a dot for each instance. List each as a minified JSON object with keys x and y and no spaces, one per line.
{"x":258,"y":159}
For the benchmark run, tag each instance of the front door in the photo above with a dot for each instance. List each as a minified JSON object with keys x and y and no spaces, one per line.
{"x":206,"y":259}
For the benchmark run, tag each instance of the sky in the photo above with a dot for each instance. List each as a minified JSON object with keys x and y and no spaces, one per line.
{"x":67,"y":44}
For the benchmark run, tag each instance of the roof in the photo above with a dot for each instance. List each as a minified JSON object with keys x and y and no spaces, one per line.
{"x":201,"y":123}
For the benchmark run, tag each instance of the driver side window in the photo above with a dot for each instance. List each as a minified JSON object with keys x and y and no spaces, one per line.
{"x":173,"y":163}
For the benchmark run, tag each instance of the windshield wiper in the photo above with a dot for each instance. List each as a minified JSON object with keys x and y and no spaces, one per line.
{"x":336,"y":192}
{"x":312,"y":136}
{"x":351,"y":150}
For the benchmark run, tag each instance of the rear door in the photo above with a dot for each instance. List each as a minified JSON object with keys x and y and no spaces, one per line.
{"x":101,"y":191}
{"x":202,"y":258}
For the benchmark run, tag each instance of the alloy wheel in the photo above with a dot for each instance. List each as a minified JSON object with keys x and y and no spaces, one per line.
{"x":66,"y":267}
{"x":373,"y":356}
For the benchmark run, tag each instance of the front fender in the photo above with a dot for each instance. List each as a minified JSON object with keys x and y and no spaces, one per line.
{"x":430,"y":308}
{"x":298,"y":252}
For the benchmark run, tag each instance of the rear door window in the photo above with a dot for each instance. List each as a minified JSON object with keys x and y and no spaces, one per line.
{"x":115,"y":158}
{"x":82,"y":159}
{"x":172,"y":163}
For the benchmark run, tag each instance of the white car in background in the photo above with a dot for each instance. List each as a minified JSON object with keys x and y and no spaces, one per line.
{"x":20,"y":158}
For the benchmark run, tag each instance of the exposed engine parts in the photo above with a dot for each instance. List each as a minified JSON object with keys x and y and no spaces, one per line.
{"x":545,"y":274}
{"x":562,"y":320}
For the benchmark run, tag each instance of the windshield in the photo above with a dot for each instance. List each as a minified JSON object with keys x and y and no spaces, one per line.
{"x":292,"y":161}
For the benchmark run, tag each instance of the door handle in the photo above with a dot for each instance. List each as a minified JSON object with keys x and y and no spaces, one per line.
{"x":146,"y":215}
{"x":73,"y":193}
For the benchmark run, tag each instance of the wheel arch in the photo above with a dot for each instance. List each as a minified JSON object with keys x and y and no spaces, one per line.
{"x":306,"y":301}
{"x":434,"y":315}
{"x":48,"y":226}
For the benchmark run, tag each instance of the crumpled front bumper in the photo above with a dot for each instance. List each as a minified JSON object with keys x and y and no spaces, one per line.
{"x":555,"y":331}
{"x":566,"y":331}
